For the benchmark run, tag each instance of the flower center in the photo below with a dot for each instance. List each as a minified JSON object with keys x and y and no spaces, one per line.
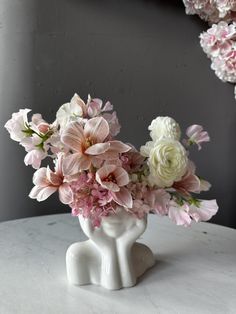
{"x":110,"y":178}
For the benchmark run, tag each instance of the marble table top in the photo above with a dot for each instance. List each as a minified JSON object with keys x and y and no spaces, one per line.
{"x":195,"y":270}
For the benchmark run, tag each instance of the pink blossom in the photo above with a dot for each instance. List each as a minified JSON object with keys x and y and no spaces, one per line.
{"x":38,"y":124}
{"x":132,"y":161}
{"x":179,"y":214}
{"x":17,"y":126}
{"x":115,"y":179}
{"x":113,"y":122}
{"x":203,"y":210}
{"x":198,"y":210}
{"x":225,"y":66}
{"x":47,"y":182}
{"x":140,"y":209}
{"x":196,"y":135}
{"x":217,"y":40}
{"x":212,"y":11}
{"x":90,"y":199}
{"x":189,"y":182}
{"x":158,"y":200}
{"x":94,"y":107}
{"x":88,"y":145}
{"x":36,"y":150}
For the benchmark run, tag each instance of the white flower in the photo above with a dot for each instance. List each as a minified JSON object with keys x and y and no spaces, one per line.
{"x":17,"y":125}
{"x":164,"y":127}
{"x":167,"y":161}
{"x":70,"y":111}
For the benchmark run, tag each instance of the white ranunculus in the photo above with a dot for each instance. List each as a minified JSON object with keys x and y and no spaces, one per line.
{"x":164,"y":127}
{"x":70,"y":111}
{"x":167,"y":162}
{"x":17,"y":125}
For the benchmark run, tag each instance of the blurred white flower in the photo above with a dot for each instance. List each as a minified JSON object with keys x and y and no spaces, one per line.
{"x":164,"y":127}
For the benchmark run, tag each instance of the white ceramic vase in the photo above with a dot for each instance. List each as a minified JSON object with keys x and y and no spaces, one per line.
{"x":110,"y":258}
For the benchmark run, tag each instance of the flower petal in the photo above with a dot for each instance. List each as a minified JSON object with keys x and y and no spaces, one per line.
{"x":43,"y":193}
{"x":119,"y":147}
{"x":65,"y":193}
{"x":40,"y":177}
{"x":97,"y":129}
{"x":98,"y":148}
{"x":179,"y":215}
{"x":123,"y":197}
{"x":205,"y":211}
{"x":72,"y":136}
{"x":122,"y":177}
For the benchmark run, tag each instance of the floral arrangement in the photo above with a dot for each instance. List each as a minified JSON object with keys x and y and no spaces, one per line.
{"x":94,"y":173}
{"x":219,"y":41}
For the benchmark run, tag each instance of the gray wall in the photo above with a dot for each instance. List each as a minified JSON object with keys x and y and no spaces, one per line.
{"x":144,"y":56}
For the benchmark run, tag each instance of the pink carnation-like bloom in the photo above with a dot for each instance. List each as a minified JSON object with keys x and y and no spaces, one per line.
{"x":225,"y":66}
{"x":212,"y":11}
{"x":48,"y":182}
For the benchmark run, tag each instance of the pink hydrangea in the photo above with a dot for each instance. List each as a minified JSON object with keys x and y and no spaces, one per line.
{"x":90,"y":199}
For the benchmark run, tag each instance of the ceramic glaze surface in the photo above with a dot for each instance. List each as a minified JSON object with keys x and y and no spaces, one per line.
{"x":111,"y":257}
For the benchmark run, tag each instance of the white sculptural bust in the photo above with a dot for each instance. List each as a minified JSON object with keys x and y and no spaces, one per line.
{"x":111,"y":257}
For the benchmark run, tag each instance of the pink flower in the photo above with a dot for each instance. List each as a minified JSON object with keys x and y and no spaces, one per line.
{"x":158,"y":200}
{"x":189,"y":182}
{"x":196,"y":135}
{"x":90,"y":199}
{"x":38,"y":124}
{"x":225,"y":66}
{"x":203,"y":210}
{"x":113,"y":122}
{"x":198,"y":210}
{"x":179,"y":214}
{"x":218,"y":39}
{"x":114,"y":179}
{"x":36,"y":150}
{"x":88,"y":145}
{"x":17,"y":126}
{"x":47,"y":182}
{"x":94,"y":107}
{"x":140,"y":209}
{"x":132,"y":161}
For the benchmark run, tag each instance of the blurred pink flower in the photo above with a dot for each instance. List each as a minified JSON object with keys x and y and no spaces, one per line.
{"x":113,"y":122}
{"x":140,"y":209}
{"x":203,"y":210}
{"x":158,"y":200}
{"x":196,"y":135}
{"x":189,"y":182}
{"x":47,"y":182}
{"x":132,"y":161}
{"x":179,"y":214}
{"x":88,"y":145}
